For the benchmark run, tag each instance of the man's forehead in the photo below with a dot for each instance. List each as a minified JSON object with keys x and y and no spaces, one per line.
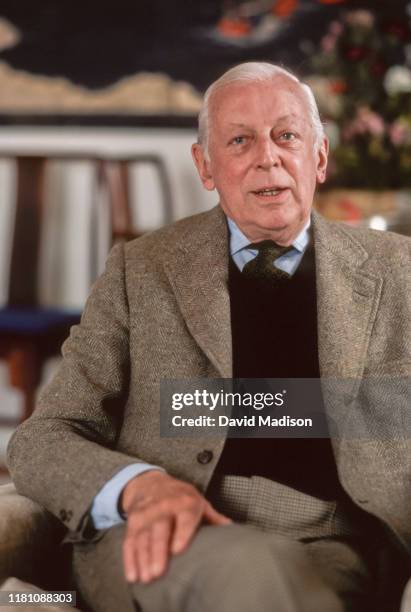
{"x":286,"y":118}
{"x":233,"y":96}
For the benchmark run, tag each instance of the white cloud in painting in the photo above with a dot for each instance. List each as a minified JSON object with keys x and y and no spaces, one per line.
{"x":9,"y":34}
{"x":141,"y":93}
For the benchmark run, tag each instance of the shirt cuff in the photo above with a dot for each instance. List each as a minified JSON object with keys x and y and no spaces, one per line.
{"x":104,"y":510}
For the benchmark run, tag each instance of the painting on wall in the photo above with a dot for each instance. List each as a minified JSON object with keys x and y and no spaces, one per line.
{"x":135,"y":63}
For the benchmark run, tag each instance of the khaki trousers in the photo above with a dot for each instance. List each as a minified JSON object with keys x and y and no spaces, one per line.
{"x":288,"y":552}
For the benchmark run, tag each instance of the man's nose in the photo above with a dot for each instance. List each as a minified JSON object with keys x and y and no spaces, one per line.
{"x":267,"y":154}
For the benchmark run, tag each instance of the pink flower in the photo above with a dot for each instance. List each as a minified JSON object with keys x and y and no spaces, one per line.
{"x":335,"y":28}
{"x":328,"y":43}
{"x":400,"y":133}
{"x":365,"y":122}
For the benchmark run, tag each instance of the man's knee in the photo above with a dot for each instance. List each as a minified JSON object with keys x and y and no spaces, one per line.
{"x":238,"y":567}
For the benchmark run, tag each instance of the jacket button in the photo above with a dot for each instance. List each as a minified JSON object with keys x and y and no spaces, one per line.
{"x":205,"y":457}
{"x":63,"y":515}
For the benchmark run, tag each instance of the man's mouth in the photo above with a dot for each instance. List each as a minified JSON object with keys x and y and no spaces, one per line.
{"x":271,"y":191}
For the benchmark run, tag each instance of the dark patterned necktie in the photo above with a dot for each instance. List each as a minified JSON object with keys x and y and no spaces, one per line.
{"x":262,"y":266}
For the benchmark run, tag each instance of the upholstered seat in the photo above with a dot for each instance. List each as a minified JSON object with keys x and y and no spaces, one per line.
{"x":31,"y":546}
{"x":35,"y":321}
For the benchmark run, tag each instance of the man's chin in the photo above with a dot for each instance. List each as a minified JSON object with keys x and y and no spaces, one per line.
{"x":280,"y":229}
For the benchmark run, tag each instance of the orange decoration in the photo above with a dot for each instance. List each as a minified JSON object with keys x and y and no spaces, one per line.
{"x":283,"y":8}
{"x":351,"y":210}
{"x":234,"y":28}
{"x":338,"y":86}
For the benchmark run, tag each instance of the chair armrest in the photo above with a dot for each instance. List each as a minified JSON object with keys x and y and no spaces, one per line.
{"x":29,"y":536}
{"x":406,"y":598}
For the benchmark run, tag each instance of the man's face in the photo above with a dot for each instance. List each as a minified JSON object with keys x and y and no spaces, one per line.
{"x":262,"y":158}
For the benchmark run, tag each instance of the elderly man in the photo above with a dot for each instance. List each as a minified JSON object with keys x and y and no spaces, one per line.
{"x":257,"y":287}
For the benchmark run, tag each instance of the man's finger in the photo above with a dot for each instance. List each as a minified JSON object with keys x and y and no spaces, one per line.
{"x":215,"y":518}
{"x":186,"y":524}
{"x":160,"y":546}
{"x":142,"y":551}
{"x":130,"y":559}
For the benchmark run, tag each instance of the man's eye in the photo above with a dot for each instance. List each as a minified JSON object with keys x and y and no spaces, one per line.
{"x":238,"y":140}
{"x":288,"y":136}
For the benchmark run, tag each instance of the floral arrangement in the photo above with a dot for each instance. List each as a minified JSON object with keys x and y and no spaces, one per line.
{"x":362,"y":82}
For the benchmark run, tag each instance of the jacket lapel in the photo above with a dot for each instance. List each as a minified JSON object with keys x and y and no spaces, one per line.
{"x":347,"y":302}
{"x":198,"y":272}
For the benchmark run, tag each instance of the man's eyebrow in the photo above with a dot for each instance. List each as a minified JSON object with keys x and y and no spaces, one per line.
{"x":240,"y":125}
{"x":278,"y":120}
{"x":289,"y":116}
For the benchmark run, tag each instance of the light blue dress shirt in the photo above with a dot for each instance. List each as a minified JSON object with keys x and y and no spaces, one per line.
{"x":104,"y":510}
{"x":241,"y":253}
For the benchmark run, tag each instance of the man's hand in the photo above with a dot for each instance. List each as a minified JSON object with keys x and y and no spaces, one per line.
{"x":163,"y":514}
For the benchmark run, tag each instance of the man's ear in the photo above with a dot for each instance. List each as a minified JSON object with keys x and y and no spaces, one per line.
{"x":203,"y":166}
{"x":322,"y":160}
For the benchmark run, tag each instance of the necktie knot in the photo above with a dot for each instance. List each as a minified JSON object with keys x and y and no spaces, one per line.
{"x":262,"y":266}
{"x":269,"y":248}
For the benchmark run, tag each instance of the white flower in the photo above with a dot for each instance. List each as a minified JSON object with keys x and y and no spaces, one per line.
{"x":397,"y":80}
{"x":361,"y":18}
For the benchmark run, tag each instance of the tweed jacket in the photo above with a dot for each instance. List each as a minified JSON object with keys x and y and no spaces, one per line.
{"x":161,"y":310}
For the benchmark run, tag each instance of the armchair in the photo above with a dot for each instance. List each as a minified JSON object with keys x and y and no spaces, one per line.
{"x":30,"y":542}
{"x":31,"y":549}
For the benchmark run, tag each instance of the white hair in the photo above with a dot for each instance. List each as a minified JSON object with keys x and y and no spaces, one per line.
{"x":253,"y":72}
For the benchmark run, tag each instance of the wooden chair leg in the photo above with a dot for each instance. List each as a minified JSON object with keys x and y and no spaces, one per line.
{"x":24,"y":364}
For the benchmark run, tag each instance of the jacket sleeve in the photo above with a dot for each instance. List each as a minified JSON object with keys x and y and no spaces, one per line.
{"x":65,"y":452}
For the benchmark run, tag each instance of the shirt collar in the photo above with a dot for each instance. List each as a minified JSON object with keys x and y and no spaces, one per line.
{"x":238,"y":241}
